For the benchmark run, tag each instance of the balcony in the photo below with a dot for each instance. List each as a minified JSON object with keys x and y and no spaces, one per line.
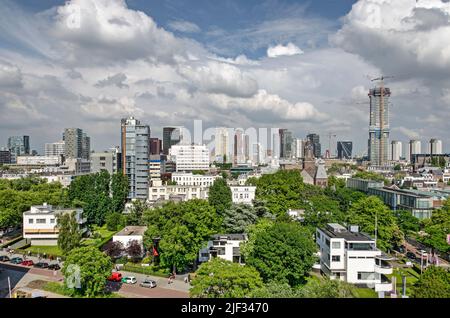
{"x":385,"y":285}
{"x":383,"y":269}
{"x":382,"y":266}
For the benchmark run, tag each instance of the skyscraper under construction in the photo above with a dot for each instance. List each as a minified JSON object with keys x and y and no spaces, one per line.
{"x":379,"y":125}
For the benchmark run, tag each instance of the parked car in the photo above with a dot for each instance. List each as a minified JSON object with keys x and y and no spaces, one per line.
{"x":411,"y":255}
{"x":16,"y":260}
{"x":115,"y":277}
{"x":129,"y":280}
{"x":4,"y":258}
{"x":54,"y":267}
{"x":400,"y":249}
{"x":41,"y":265}
{"x":148,"y":283}
{"x":27,"y":263}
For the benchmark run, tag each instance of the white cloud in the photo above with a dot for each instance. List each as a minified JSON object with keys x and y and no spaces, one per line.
{"x":184,"y":26}
{"x":281,"y":50}
{"x":411,"y":134}
{"x":10,"y":75}
{"x":117,"y":80}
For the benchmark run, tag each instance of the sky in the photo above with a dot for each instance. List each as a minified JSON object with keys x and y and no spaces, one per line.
{"x":302,"y":65}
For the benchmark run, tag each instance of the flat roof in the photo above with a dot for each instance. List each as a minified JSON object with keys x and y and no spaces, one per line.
{"x":233,"y":237}
{"x":348,"y":236}
{"x":132,"y":230}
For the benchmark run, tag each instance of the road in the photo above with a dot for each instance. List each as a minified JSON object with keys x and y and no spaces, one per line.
{"x":24,"y":275}
{"x":415,"y":249}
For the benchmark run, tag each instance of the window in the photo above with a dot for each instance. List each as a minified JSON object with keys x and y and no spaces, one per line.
{"x":40,"y":221}
{"x":335,"y":258}
{"x":365,"y":276}
{"x":52,"y":221}
{"x":336,"y":245}
{"x":30,"y":221}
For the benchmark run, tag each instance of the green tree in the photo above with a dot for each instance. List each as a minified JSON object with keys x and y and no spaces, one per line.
{"x":407,"y":222}
{"x":322,"y":210}
{"x":220,"y":195}
{"x":253,"y":231}
{"x":219,"y":278}
{"x":371,"y":210}
{"x":238,"y":217}
{"x":94,"y":269}
{"x":437,"y":228}
{"x":119,"y":192}
{"x":280,"y":191}
{"x":327,"y":288}
{"x":284,"y":252}
{"x":115,"y":221}
{"x":69,"y":234}
{"x":276,"y":290}
{"x":369,"y":175}
{"x":336,"y":182}
{"x":136,"y":213}
{"x":433,"y":283}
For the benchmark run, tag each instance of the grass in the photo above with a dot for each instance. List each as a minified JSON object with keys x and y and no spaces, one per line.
{"x":147,"y":270}
{"x":411,"y":277}
{"x":49,"y":250}
{"x":105,"y":236}
{"x":365,"y":293}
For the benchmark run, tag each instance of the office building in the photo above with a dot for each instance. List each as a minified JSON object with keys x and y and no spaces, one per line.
{"x":222,"y":145}
{"x":286,"y":141}
{"x":77,"y":144}
{"x":239,"y":155}
{"x":154,"y":163}
{"x":39,"y":160}
{"x":54,"y":148}
{"x":396,"y":150}
{"x":344,"y":149}
{"x":317,"y":147}
{"x":299,"y":148}
{"x":353,"y":257}
{"x":18,"y":146}
{"x":107,"y":160}
{"x":435,"y":147}
{"x":415,"y":148}
{"x":5,"y":157}
{"x":379,"y":125}
{"x":171,"y":136}
{"x":190,"y":157}
{"x":190,"y":179}
{"x":155,"y":146}
{"x":135,"y":155}
{"x":40,"y":224}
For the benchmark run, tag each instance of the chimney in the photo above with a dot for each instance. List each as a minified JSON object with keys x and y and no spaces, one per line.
{"x":354,"y":228}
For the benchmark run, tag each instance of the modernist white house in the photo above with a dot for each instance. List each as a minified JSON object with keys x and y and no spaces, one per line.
{"x":243,"y":194}
{"x":129,"y":234}
{"x":226,"y":246}
{"x":190,"y":179}
{"x":40,"y":224}
{"x":352,"y":256}
{"x":162,"y":192}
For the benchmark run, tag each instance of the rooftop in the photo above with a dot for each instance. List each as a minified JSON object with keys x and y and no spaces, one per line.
{"x":132,"y":230}
{"x":336,"y":230}
{"x":230,"y":237}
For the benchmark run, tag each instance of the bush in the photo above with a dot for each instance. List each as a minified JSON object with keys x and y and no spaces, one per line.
{"x":122,"y":260}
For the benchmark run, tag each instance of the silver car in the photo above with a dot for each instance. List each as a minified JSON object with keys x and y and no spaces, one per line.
{"x":148,"y":283}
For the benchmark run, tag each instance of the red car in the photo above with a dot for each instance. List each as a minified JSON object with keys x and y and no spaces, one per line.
{"x":115,"y":277}
{"x":27,"y":263}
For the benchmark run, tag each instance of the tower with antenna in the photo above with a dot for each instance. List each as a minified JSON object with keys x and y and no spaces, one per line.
{"x":379,"y":129}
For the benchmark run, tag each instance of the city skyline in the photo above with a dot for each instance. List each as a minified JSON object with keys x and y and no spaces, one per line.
{"x":280,"y":70}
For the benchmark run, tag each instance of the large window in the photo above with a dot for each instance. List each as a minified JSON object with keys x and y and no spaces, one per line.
{"x":366,"y":276}
{"x":30,"y":221}
{"x":336,"y":245}
{"x":40,"y":221}
{"x":335,"y":258}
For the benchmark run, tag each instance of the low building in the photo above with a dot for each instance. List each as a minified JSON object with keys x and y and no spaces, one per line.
{"x":353,"y":257}
{"x":243,"y":194}
{"x":129,"y":234}
{"x":363,"y":184}
{"x":225,"y":246}
{"x":107,"y":160}
{"x":163,"y":192}
{"x":39,"y":160}
{"x":64,"y":179}
{"x":40,"y":224}
{"x":190,"y":179}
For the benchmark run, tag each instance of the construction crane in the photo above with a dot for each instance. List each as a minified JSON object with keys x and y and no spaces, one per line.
{"x":382,"y":93}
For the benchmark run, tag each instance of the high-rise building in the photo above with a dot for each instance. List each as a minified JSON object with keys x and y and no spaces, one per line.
{"x":135,"y":155}
{"x":5,"y":157}
{"x":239,"y":147}
{"x":435,"y":147}
{"x":171,"y":137}
{"x":54,"y":149}
{"x":344,"y":149}
{"x":317,"y":147}
{"x":379,"y":125}
{"x":222,"y":145}
{"x":299,"y":148}
{"x":155,"y":146}
{"x":286,"y":141}
{"x":85,"y":147}
{"x":190,"y":157}
{"x":155,"y":167}
{"x":19,"y":146}
{"x":396,"y":150}
{"x":415,"y":148}
{"x":77,"y":144}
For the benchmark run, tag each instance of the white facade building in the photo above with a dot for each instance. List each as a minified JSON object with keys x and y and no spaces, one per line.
{"x":64,"y":179}
{"x":299,"y":147}
{"x":436,"y":147}
{"x":396,"y":150}
{"x":225,"y":246}
{"x":190,"y":157}
{"x":77,"y":166}
{"x":243,"y":194}
{"x":129,"y":234}
{"x":40,"y":224}
{"x":161,"y":192}
{"x":352,"y":257}
{"x":39,"y":160}
{"x":55,"y":149}
{"x":190,"y":179}
{"x":223,"y":145}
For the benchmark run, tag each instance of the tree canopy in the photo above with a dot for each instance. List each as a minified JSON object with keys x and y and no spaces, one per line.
{"x":437,"y":228}
{"x":69,"y":233}
{"x":219,"y":196}
{"x":219,"y":278}
{"x":433,"y":283}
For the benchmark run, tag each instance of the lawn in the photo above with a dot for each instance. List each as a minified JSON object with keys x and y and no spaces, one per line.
{"x":365,"y":293}
{"x":104,"y":235}
{"x":49,"y":250}
{"x":411,"y":277}
{"x":60,"y":289}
